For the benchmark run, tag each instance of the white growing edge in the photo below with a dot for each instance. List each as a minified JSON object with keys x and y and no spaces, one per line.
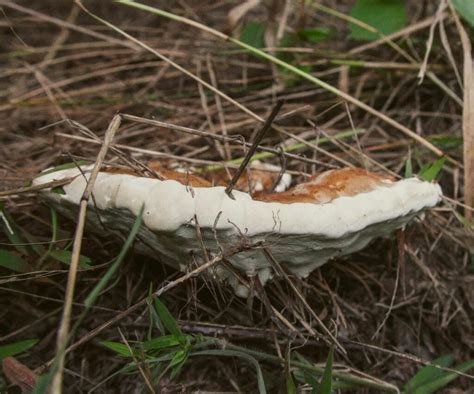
{"x":302,"y":235}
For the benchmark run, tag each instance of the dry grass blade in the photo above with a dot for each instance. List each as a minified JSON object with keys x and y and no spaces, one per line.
{"x":467,"y":117}
{"x":293,"y":69}
{"x":63,"y":332}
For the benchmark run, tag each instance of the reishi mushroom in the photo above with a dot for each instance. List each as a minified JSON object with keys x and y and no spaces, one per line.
{"x":335,"y":213}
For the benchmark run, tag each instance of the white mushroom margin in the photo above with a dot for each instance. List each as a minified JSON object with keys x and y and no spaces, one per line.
{"x":303,"y":235}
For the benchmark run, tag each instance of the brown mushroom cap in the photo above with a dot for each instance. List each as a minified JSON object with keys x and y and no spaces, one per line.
{"x":329,"y":185}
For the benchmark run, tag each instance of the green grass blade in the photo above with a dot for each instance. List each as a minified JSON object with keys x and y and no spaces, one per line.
{"x":428,"y":373}
{"x":429,"y":173}
{"x":13,"y":262}
{"x":444,"y":379}
{"x":94,"y":294}
{"x":11,"y":231}
{"x":325,"y":387}
{"x":16,"y":348}
{"x":64,"y":256}
{"x":167,"y":318}
{"x":162,"y":342}
{"x":119,"y":348}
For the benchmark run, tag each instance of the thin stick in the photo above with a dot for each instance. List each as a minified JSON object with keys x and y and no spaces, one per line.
{"x":119,"y":316}
{"x":56,"y":386}
{"x":274,"y":60}
{"x":35,"y":188}
{"x":467,"y":115}
{"x":258,"y":138}
{"x":276,"y":266}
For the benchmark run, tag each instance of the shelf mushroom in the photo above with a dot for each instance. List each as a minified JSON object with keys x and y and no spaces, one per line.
{"x":335,"y":213}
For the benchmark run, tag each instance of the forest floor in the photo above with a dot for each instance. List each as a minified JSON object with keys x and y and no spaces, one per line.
{"x":395,"y":307}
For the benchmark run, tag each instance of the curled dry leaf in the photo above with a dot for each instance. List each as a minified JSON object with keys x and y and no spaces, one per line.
{"x":19,"y":374}
{"x":334,"y":214}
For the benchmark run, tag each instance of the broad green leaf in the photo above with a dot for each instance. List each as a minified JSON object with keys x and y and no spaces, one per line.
{"x":252,"y":34}
{"x":120,"y":348}
{"x":13,"y":262}
{"x":167,"y":319}
{"x":428,"y":373}
{"x":325,"y":387}
{"x":387,"y":16}
{"x":162,"y":342}
{"x":16,"y":348}
{"x":465,"y":9}
{"x":91,"y":298}
{"x":443,"y":380}
{"x":64,"y":256}
{"x":429,"y":172}
{"x":314,"y":35}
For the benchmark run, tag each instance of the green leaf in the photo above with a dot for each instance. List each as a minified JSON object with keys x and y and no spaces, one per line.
{"x":17,"y":347}
{"x":162,"y":342}
{"x":120,"y":348}
{"x":94,"y":294}
{"x":314,"y":35}
{"x":13,"y":262}
{"x":252,"y":34}
{"x":168,"y":320}
{"x":58,"y":190}
{"x":387,"y":16}
{"x":64,"y":256}
{"x":428,"y":373}
{"x":465,"y":9}
{"x":325,"y":387}
{"x":290,"y":384}
{"x":408,"y":168}
{"x":444,"y":379}
{"x":446,"y":142}
{"x":10,"y":229}
{"x":178,"y":361}
{"x":429,"y":172}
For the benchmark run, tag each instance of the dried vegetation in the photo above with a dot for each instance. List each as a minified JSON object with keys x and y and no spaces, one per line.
{"x":401,"y":301}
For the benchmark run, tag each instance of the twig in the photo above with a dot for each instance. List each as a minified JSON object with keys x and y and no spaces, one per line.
{"x":119,"y":316}
{"x":258,"y":138}
{"x":274,"y":60}
{"x":56,"y":387}
{"x":35,"y":188}
{"x":276,"y":266}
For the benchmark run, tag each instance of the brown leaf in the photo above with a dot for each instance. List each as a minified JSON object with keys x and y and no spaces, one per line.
{"x":19,"y":374}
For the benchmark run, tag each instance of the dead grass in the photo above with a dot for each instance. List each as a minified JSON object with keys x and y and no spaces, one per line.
{"x":60,"y":64}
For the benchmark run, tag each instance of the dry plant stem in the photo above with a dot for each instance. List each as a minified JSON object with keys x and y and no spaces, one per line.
{"x":467,"y":117}
{"x":276,"y":266}
{"x":392,"y":44}
{"x":239,"y":141}
{"x":141,"y":303}
{"x":253,"y":148}
{"x":407,"y":356}
{"x":274,"y":60}
{"x":30,"y":189}
{"x":56,"y":387}
{"x":64,"y":24}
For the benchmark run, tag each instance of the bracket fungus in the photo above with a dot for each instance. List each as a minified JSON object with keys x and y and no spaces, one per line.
{"x":336,"y":213}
